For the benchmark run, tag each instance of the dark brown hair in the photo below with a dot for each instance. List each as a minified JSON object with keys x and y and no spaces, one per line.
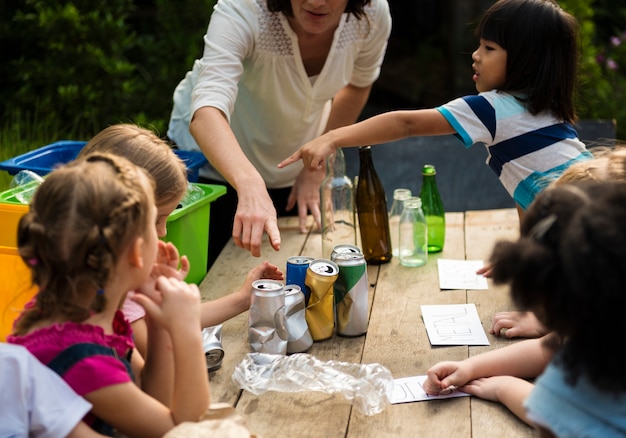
{"x":542,"y":52}
{"x":568,"y":267}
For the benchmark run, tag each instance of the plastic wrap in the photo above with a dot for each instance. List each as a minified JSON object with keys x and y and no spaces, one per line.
{"x":370,"y":386}
{"x":24,"y":184}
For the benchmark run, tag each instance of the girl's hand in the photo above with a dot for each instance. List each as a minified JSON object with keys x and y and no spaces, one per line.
{"x":264,"y":270}
{"x":169,"y":263}
{"x":517,"y":325}
{"x":485,"y":271}
{"x":444,"y":376}
{"x":488,"y":388}
{"x":171,"y":303}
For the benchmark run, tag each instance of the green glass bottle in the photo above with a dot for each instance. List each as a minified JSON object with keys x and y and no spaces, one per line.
{"x":433,"y":209}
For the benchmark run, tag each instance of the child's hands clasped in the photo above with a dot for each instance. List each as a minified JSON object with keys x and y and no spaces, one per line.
{"x":171,"y":303}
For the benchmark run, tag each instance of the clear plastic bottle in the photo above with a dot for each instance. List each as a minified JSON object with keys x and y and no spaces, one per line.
{"x":399,"y":195}
{"x":371,"y":205}
{"x":337,"y":204}
{"x":413,"y":234}
{"x":433,"y":209}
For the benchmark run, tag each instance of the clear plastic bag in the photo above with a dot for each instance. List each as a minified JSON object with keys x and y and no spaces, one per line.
{"x":370,"y":386}
{"x":24,"y":184}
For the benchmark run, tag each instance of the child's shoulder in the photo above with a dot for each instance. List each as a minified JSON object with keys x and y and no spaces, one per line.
{"x":46,"y":342}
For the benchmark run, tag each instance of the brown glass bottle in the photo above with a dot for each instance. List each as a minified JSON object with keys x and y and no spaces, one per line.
{"x":371,"y":206}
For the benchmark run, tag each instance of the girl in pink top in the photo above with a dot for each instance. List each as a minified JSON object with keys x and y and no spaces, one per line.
{"x":145,"y":149}
{"x":89,"y":239}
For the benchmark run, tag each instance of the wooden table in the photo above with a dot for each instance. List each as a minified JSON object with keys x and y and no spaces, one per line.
{"x":396,"y":339}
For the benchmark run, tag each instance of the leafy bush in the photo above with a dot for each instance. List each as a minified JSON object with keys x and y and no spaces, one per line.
{"x":602,"y":74}
{"x":72,"y":67}
{"x":89,"y":64}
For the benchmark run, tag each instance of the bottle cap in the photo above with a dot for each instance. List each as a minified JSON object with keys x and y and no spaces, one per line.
{"x":429,"y":169}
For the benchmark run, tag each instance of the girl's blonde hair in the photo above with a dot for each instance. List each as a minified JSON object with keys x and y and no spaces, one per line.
{"x":145,"y":149}
{"x":81,"y":219}
{"x":607,"y":165}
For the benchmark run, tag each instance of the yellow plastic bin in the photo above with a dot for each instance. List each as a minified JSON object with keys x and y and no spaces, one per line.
{"x":188,"y":229}
{"x":16,"y":288}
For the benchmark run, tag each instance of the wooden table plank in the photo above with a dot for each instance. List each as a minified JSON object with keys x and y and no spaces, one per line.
{"x":397,"y":339}
{"x":482,"y":230}
{"x":227,"y":275}
{"x":298,"y":414}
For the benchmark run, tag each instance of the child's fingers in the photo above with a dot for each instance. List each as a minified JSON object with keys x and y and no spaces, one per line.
{"x":291,"y":159}
{"x":185,"y":266}
{"x":164,"y":270}
{"x":151,"y":308}
{"x":161,"y":252}
{"x":173,"y":254}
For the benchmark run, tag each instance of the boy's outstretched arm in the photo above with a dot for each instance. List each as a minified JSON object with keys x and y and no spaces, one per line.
{"x":383,"y":128}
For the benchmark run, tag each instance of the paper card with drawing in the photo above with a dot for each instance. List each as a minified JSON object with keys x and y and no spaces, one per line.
{"x":410,"y":389}
{"x":460,"y":274}
{"x":453,"y":324}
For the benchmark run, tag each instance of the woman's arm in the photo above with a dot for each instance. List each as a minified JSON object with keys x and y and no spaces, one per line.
{"x":255,"y":210}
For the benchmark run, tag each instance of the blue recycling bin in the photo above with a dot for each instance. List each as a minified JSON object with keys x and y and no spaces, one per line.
{"x":43,"y":160}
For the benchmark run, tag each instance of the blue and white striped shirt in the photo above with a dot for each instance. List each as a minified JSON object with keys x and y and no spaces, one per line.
{"x":527,"y":152}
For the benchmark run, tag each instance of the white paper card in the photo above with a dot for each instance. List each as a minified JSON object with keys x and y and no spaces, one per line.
{"x":460,"y":274}
{"x":410,"y":389}
{"x":453,"y":324}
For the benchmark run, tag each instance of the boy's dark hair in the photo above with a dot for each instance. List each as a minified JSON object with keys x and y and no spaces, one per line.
{"x":354,"y":7}
{"x":542,"y":52}
{"x":568,"y":268}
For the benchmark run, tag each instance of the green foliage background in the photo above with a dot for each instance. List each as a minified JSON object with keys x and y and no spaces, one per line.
{"x":80,"y":65}
{"x":72,"y":67}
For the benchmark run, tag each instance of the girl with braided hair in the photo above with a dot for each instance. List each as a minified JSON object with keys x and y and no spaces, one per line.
{"x":89,"y":238}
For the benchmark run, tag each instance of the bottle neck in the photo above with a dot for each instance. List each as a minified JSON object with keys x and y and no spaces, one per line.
{"x":365,"y":154}
{"x":336,"y":164}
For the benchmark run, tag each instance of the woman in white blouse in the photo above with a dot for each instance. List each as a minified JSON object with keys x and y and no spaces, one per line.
{"x":274,"y":74}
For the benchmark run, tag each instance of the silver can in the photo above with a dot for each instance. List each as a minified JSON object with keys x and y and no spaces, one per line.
{"x":212,"y":346}
{"x":267,"y":332}
{"x":344,"y":248}
{"x":351,"y":295}
{"x":300,"y":339}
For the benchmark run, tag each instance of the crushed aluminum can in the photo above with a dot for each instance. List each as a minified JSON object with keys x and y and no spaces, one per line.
{"x":319,"y":281}
{"x":212,"y":346}
{"x":300,"y":339}
{"x":267,"y":332}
